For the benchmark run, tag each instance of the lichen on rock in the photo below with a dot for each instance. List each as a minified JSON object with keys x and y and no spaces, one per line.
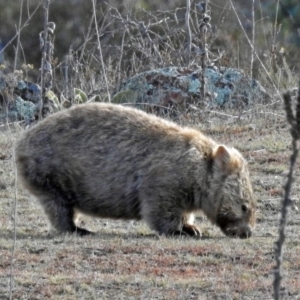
{"x":175,"y":88}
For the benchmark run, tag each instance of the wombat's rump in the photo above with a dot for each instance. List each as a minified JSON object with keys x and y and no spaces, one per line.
{"x":111,"y":161}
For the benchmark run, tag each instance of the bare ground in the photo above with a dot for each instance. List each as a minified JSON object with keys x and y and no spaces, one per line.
{"x":125,"y":260}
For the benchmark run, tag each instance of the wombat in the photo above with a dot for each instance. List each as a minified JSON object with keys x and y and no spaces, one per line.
{"x":113,"y":161}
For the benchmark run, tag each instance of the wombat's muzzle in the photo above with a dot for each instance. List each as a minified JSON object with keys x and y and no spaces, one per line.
{"x":244,"y":232}
{"x":231,"y":228}
{"x":240,"y":231}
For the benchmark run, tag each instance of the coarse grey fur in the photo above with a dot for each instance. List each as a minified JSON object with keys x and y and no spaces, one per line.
{"x":117,"y":162}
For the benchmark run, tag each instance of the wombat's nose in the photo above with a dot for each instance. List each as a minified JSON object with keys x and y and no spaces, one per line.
{"x":245,"y":232}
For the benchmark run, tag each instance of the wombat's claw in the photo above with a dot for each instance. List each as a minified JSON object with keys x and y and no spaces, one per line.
{"x":179,"y":233}
{"x":191,"y":230}
{"x":82,"y":232}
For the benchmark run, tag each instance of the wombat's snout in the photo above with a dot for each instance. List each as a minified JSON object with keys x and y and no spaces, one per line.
{"x":234,"y":228}
{"x":242,"y":231}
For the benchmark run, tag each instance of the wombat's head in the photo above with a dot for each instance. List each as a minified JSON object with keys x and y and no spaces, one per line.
{"x":232,"y":193}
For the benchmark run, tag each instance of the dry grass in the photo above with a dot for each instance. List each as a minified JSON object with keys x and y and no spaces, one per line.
{"x":125,"y":260}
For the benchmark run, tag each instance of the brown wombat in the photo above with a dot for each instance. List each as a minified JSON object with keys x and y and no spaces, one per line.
{"x":117,"y":162}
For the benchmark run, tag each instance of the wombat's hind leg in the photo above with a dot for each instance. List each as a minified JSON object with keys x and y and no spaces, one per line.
{"x":61,"y":216}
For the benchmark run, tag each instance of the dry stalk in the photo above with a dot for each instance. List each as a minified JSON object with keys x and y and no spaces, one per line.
{"x":253,"y":38}
{"x":67,"y":67}
{"x":294,"y":120}
{"x":15,"y":200}
{"x":100,"y":51}
{"x":43,"y":41}
{"x":254,"y":51}
{"x":18,"y":37}
{"x":204,"y":26}
{"x":143,"y":42}
{"x":273,"y":51}
{"x":65,"y":71}
{"x":188,"y":32}
{"x":121,"y":57}
{"x":47,"y":48}
{"x":20,"y":29}
{"x":15,"y":233}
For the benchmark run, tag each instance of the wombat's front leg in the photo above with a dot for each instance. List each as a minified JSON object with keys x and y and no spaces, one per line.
{"x":188,"y":225}
{"x":191,"y":230}
{"x":169,"y":221}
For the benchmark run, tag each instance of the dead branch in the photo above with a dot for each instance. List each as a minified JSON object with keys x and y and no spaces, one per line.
{"x":294,"y":121}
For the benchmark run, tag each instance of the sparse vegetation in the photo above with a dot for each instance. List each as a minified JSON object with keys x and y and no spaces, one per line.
{"x":124,"y":260}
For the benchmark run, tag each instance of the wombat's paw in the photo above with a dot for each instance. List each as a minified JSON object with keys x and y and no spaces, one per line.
{"x":188,"y":230}
{"x":191,"y":230}
{"x":177,"y":233}
{"x":82,"y":232}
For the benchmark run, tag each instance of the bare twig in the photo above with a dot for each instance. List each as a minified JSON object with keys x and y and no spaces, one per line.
{"x":294,"y":121}
{"x":17,"y":50}
{"x":144,"y":31}
{"x":18,"y":38}
{"x":86,"y":39}
{"x":253,"y":38}
{"x":223,"y":114}
{"x":121,"y":57}
{"x":12,"y":123}
{"x":254,"y":51}
{"x":204,"y":25}
{"x":43,"y":41}
{"x":100,"y":51}
{"x":11,"y":276}
{"x":262,"y":20}
{"x":275,"y":33}
{"x":65,"y":70}
{"x":15,"y":233}
{"x":20,"y":29}
{"x":47,"y":53}
{"x":188,"y":32}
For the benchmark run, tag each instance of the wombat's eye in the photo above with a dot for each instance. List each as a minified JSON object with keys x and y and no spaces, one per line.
{"x":244,"y":208}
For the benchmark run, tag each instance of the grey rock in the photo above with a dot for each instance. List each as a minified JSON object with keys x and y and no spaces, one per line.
{"x":21,"y":104}
{"x":177,"y":88}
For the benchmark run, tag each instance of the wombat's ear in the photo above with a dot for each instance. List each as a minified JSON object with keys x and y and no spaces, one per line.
{"x":226,"y":160}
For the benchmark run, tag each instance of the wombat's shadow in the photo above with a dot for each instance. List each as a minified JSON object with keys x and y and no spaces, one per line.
{"x":59,"y":238}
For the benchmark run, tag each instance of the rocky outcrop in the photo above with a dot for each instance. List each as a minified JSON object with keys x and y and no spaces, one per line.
{"x":167,"y":91}
{"x":176,"y":89}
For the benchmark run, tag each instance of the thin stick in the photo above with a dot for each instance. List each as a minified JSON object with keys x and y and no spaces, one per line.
{"x":121,"y":55}
{"x":15,"y":233}
{"x":253,"y":39}
{"x":257,"y":56}
{"x":275,"y":24}
{"x":100,"y":52}
{"x":20,"y":29}
{"x":204,"y":26}
{"x":18,"y":39}
{"x":44,"y":56}
{"x":294,"y":120}
{"x":12,"y":123}
{"x":188,"y":32}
